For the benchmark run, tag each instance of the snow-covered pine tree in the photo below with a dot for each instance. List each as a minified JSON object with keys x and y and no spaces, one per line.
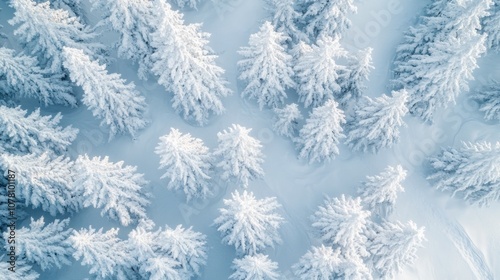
{"x":379,"y":192}
{"x":185,"y":246}
{"x":149,"y":260}
{"x":318,"y":71}
{"x":45,"y":32}
{"x":187,"y":162}
{"x":266,"y":67}
{"x":21,"y":76}
{"x":286,"y":120}
{"x":491,"y":26}
{"x":341,"y":222}
{"x":240,"y":155}
{"x":439,"y":55}
{"x":186,"y":66}
{"x":248,"y":223}
{"x":472,"y":172}
{"x":357,"y":71}
{"x":443,"y":19}
{"x":326,"y":17}
{"x":319,"y":263}
{"x":107,"y":255}
{"x":134,"y":21}
{"x":443,"y":75}
{"x":115,"y":188}
{"x":144,"y":241}
{"x":419,"y":37}
{"x":375,"y":124}
{"x":33,"y":133}
{"x":183,"y":251}
{"x":395,"y":246}
{"x":44,"y":244}
{"x":120,"y":106}
{"x":45,"y":182}
{"x":255,"y":267}
{"x":284,"y":18}
{"x":319,"y":137}
{"x":488,"y":98}
{"x":22,"y":270}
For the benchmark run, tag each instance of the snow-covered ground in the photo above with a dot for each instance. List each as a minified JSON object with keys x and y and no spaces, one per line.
{"x":463,"y":241}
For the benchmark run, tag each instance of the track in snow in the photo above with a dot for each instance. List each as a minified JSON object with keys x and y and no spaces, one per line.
{"x":465,"y":246}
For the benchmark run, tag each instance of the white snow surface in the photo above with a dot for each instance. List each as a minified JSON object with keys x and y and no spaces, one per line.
{"x":463,"y":241}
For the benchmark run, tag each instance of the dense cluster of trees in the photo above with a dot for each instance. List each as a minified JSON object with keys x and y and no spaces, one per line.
{"x":297,"y":51}
{"x":436,"y":60}
{"x":358,"y":239}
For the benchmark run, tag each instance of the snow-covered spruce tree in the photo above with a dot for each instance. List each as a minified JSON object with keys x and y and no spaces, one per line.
{"x":326,"y":17}
{"x":45,"y":32}
{"x":443,"y":19}
{"x":248,"y":223}
{"x":255,"y":267}
{"x":134,"y":21}
{"x":488,"y":98}
{"x":341,"y":222}
{"x":319,"y":263}
{"x":185,"y":246}
{"x":44,"y":244}
{"x":357,"y":71}
{"x":266,"y":67}
{"x":45,"y":182}
{"x":149,"y":261}
{"x":284,"y":18}
{"x":22,"y":270}
{"x":439,"y":55}
{"x":318,"y":71}
{"x":491,"y":26}
{"x":286,"y":120}
{"x":379,"y":192}
{"x":395,"y":246}
{"x":319,"y":137}
{"x":183,"y":251}
{"x":33,"y":133}
{"x":240,"y":156}
{"x":375,"y":124}
{"x":107,"y":255}
{"x":439,"y":83}
{"x":21,"y":76}
{"x":186,"y":67}
{"x":120,"y":106}
{"x":115,"y":188}
{"x":187,"y":162}
{"x":472,"y":172}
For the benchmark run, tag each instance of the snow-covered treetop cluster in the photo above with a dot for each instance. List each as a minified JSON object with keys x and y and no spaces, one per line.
{"x":359,"y":240}
{"x":299,"y":52}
